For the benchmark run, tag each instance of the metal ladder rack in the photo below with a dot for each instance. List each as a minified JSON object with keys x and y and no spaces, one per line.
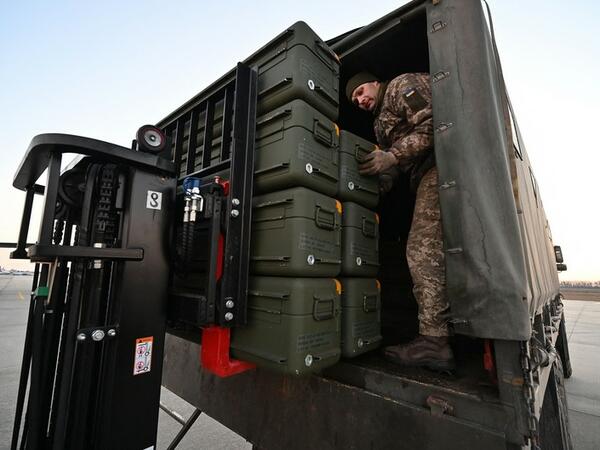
{"x":215,"y":137}
{"x":195,"y":131}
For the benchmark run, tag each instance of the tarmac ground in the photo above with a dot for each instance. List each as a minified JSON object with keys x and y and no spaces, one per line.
{"x":583,"y":388}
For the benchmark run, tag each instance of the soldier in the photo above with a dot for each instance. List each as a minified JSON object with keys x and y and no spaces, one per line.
{"x":404,"y":129}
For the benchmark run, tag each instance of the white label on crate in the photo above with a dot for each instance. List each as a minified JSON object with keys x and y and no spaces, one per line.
{"x":154,"y":200}
{"x":143,"y":355}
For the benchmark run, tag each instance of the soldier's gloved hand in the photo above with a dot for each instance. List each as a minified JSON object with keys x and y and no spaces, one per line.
{"x":376,"y":162}
{"x":388,"y":178}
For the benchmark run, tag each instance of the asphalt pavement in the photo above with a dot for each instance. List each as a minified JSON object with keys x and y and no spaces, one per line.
{"x":583,"y":327}
{"x":206,"y":433}
{"x":582,"y":319}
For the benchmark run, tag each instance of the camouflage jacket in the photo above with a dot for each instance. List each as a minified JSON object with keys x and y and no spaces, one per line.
{"x":404,"y":121}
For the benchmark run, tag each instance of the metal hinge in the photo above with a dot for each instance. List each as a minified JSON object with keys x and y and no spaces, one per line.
{"x":444,"y":126}
{"x":448,"y":185}
{"x":438,"y":76}
{"x":437,"y":26}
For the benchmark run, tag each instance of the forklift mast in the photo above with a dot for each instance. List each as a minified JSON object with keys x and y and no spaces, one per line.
{"x":109,"y":261}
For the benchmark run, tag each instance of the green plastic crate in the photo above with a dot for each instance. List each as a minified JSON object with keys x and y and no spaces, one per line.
{"x":297,"y":64}
{"x":361,"y":316}
{"x":297,"y":233}
{"x":293,"y":325}
{"x":352,"y":186}
{"x":296,"y":145}
{"x":360,"y":241}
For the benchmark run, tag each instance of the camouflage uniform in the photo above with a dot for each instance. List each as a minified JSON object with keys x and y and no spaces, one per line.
{"x":404,"y":126}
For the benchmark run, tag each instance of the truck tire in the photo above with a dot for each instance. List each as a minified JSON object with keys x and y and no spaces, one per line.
{"x":554,"y":419}
{"x":562,"y":347}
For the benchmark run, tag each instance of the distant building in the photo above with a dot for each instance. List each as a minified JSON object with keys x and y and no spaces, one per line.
{"x":580,"y":284}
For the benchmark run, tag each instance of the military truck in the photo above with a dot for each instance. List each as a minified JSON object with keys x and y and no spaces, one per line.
{"x":502,"y":281}
{"x":178,"y":206}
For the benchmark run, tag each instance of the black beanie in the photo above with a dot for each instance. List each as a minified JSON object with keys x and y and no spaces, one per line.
{"x":356,"y":81}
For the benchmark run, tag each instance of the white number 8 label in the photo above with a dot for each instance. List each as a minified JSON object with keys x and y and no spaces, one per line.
{"x":154,"y":200}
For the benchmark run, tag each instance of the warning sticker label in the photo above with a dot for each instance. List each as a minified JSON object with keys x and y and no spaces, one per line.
{"x":143,"y":355}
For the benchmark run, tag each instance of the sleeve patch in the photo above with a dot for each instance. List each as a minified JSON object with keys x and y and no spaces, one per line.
{"x":414,"y":100}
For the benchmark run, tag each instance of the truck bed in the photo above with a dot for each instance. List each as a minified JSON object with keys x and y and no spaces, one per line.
{"x":360,"y":403}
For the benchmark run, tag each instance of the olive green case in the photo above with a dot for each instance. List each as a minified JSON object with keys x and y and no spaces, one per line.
{"x":296,"y":232}
{"x":297,"y":64}
{"x":361,"y":316}
{"x":296,"y":145}
{"x":293,"y":325}
{"x":354,"y":187}
{"x":360,"y":241}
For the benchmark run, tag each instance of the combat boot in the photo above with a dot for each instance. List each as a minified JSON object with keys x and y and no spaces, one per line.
{"x":432,"y":352}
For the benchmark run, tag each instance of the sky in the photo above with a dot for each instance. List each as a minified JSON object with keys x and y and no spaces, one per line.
{"x":103,"y":69}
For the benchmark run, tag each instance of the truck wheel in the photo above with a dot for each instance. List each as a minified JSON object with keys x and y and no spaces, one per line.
{"x":554,"y":419}
{"x":562,"y":347}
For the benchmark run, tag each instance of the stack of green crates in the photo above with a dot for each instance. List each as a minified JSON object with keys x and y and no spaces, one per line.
{"x":294,"y":323}
{"x":301,"y":319}
{"x":361,"y":292}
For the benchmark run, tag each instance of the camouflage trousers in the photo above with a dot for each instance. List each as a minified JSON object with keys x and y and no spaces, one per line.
{"x":425,"y":254}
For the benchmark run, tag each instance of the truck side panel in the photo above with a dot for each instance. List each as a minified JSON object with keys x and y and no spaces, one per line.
{"x":485,"y":265}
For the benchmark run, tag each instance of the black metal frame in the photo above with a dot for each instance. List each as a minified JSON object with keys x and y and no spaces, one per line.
{"x":57,"y":393}
{"x":227,"y":214}
{"x":185,"y":424}
{"x":237,"y":244}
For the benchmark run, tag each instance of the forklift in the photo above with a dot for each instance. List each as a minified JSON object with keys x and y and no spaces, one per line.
{"x":93,"y":355}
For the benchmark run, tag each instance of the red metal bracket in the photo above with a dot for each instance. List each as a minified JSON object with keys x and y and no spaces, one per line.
{"x":224,"y":183}
{"x":214,"y":353}
{"x":488,"y":361}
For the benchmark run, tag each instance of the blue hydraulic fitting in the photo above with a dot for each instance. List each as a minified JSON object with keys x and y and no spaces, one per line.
{"x":191,"y":191}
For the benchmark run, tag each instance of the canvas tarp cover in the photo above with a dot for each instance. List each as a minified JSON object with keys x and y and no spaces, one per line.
{"x":485,"y":266}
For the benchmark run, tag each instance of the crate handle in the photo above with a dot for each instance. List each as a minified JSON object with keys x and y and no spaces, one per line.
{"x":330,"y":53}
{"x":268,"y":294}
{"x":323,"y":133}
{"x":274,"y":168}
{"x":274,"y":203}
{"x":265,"y":310}
{"x":271,"y":258}
{"x":327,"y":261}
{"x":369,"y":227}
{"x":370,"y":303}
{"x":326,"y":95}
{"x":323,"y":315}
{"x":325,"y":218}
{"x":268,"y":219}
{"x":360,"y":152}
{"x":277,"y":115}
{"x":365,"y":262}
{"x":270,"y":204}
{"x":358,"y":187}
{"x":279,"y":85}
{"x":322,"y":173}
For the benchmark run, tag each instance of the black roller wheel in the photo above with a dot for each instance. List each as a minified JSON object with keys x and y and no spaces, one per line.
{"x":555,"y":432}
{"x":562,"y":347}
